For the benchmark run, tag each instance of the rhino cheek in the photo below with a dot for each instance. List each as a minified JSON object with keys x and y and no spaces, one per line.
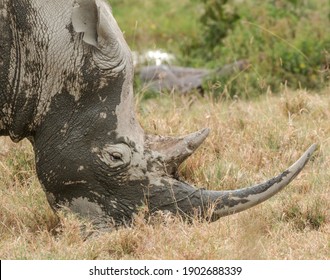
{"x":85,"y":207}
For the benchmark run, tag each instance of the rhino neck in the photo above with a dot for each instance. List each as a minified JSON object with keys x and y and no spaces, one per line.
{"x":28,"y":66}
{"x":4,"y":63}
{"x":20,"y":69}
{"x":39,"y":53}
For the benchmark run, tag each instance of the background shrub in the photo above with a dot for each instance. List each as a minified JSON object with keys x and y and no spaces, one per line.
{"x":285,"y":42}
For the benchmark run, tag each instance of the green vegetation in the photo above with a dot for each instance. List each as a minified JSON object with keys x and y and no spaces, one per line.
{"x":149,"y":24}
{"x":286,"y":43}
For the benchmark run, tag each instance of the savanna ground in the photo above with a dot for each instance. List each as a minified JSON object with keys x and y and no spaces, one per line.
{"x":254,"y":136}
{"x":250,"y":141}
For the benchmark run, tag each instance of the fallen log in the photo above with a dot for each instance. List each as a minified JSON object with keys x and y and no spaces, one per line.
{"x":184,"y":79}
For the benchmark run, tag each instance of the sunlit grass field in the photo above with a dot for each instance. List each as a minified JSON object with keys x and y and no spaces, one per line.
{"x":250,"y":141}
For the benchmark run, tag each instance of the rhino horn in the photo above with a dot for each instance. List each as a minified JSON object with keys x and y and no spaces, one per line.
{"x":175,"y":150}
{"x":180,"y":197}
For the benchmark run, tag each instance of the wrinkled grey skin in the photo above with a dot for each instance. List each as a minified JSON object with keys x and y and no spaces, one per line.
{"x":66,"y":84}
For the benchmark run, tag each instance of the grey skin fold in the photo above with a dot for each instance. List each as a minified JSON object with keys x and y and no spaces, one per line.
{"x":187,"y":199}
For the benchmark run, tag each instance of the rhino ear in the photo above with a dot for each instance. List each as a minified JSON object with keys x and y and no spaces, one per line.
{"x":100,"y":30}
{"x":84,"y":20}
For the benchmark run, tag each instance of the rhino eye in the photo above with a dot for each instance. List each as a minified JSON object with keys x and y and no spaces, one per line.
{"x":116,"y":157}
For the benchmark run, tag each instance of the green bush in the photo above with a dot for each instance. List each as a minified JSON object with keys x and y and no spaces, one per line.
{"x":217,"y":21}
{"x":286,"y":43}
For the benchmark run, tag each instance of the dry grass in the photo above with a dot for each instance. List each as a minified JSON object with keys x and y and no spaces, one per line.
{"x":250,"y":141}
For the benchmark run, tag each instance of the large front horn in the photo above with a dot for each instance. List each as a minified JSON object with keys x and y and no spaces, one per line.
{"x":179,"y":197}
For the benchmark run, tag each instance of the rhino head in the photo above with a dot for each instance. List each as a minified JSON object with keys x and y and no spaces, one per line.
{"x":92,"y":156}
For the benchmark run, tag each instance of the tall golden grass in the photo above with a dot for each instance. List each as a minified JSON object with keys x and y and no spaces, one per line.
{"x":249,"y":142}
